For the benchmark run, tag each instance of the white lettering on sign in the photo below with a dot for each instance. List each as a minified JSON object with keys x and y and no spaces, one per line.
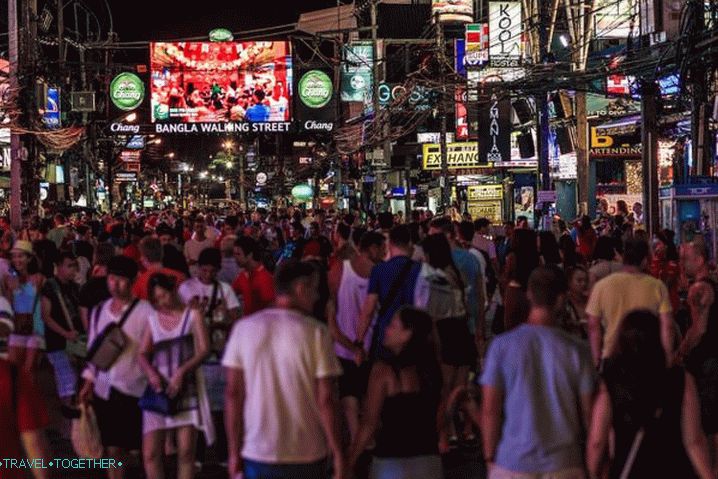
{"x":311,"y":125}
{"x":122,"y":128}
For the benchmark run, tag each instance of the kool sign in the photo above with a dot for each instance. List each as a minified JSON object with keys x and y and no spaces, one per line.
{"x":505,"y":34}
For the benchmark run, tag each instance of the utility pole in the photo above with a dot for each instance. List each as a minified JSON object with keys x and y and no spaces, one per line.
{"x":542,"y":103}
{"x":649,"y":139}
{"x":701,"y":146}
{"x":337,"y":105}
{"x":378,"y":180}
{"x":407,"y":161}
{"x":444,"y":180}
{"x":15,"y":143}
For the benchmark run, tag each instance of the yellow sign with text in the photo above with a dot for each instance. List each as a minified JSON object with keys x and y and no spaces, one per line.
{"x":484,"y":192}
{"x":490,"y":210}
{"x":458,"y":156}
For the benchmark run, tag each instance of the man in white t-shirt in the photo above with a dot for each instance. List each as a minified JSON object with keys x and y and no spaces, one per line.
{"x":198,"y":243}
{"x":280,"y":401}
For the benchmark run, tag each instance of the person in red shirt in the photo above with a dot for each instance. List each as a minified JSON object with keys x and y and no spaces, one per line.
{"x":254,"y":284}
{"x":151,"y":252}
{"x":23,"y":418}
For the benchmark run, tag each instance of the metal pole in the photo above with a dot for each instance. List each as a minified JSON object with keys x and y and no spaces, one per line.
{"x":444,"y":180}
{"x":378,"y":189}
{"x":15,"y":143}
{"x":542,"y":107}
{"x":649,"y":133}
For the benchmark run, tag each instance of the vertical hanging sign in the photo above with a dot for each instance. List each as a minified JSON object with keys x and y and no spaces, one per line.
{"x":495,"y":130}
{"x":505,"y":32}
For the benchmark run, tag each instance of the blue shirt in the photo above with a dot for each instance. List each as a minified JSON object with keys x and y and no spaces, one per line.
{"x":469,"y":267}
{"x":257,"y":112}
{"x":381,"y":281}
{"x":541,"y":371}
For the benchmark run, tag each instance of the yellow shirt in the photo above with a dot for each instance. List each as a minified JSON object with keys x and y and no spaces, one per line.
{"x":618,"y":294}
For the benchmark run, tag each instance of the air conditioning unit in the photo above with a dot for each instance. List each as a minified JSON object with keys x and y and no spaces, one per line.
{"x":83,"y":101}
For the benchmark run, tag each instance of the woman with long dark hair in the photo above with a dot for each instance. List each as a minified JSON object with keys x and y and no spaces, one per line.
{"x":403,"y":396}
{"x":653,"y":410}
{"x":522,"y":260}
{"x":448,"y":308}
{"x":665,"y":264}
{"x":548,"y":248}
{"x":586,"y":239}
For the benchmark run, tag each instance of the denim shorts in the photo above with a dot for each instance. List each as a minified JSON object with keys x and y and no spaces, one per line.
{"x":258,"y":470}
{"x":418,"y":467}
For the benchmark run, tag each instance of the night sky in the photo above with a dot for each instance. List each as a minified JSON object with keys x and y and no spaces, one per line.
{"x":172,"y":19}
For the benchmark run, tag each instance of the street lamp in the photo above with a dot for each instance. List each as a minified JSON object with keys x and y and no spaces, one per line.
{"x":170,"y":155}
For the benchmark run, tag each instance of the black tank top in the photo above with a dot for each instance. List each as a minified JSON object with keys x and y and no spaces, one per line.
{"x":408,"y":426}
{"x":661,"y":453}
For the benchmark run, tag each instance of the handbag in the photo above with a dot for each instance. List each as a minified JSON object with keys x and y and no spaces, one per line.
{"x":110,"y":342}
{"x":25,"y":322}
{"x":78,"y":347}
{"x":85,"y":434}
{"x":158,"y":402}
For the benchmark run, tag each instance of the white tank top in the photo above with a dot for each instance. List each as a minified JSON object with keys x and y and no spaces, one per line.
{"x":350,"y":299}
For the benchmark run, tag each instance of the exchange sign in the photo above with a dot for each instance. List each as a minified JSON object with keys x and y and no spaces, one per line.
{"x":459,"y":156}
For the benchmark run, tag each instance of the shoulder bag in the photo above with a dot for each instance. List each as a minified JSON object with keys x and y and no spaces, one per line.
{"x":78,"y":347}
{"x":110,"y":342}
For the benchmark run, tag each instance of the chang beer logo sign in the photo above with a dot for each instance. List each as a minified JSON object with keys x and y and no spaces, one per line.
{"x":127,"y":91}
{"x":220,"y":35}
{"x":315,"y":89}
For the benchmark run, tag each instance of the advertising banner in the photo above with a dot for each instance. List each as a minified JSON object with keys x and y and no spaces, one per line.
{"x":206,"y":82}
{"x":463,"y":155}
{"x":315,"y":102}
{"x":357,"y":73}
{"x":490,"y":210}
{"x":495,"y":130}
{"x":127,"y":91}
{"x":616,"y":18}
{"x":484,"y":192}
{"x":524,"y":202}
{"x":51,"y":115}
{"x":467,"y":115}
{"x":453,"y":11}
{"x":505,"y":32}
{"x":615,"y":144}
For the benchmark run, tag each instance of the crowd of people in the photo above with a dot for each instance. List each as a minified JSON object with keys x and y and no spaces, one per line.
{"x":288,"y":344}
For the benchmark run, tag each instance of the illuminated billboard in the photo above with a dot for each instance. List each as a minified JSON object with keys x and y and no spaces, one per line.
{"x":225,"y":82}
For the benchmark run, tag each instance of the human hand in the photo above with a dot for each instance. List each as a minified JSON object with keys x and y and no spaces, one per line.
{"x":87,"y":392}
{"x":175,"y":385}
{"x":71,"y":335}
{"x":359,"y":356}
{"x":156,"y":383}
{"x":235,"y":466}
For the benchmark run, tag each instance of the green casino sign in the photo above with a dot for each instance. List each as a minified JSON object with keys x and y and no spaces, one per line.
{"x":127,"y":91}
{"x":315,"y":89}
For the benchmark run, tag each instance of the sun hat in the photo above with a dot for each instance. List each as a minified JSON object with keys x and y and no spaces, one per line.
{"x":22,"y":246}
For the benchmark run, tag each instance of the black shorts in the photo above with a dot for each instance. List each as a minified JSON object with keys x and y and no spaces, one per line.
{"x":119,"y":420}
{"x":353,"y":382}
{"x":457,"y":344}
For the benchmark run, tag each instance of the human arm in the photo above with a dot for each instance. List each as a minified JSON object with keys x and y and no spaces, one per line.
{"x":328,"y":405}
{"x":85,"y":317}
{"x":598,"y":432}
{"x":694,"y":440}
{"x":234,"y":394}
{"x":200,"y":336}
{"x":595,"y":337}
{"x":46,"y":308}
{"x":668,"y":334}
{"x":367,"y":314}
{"x":145,"y":360}
{"x":376,"y":393}
{"x":491,"y":409}
{"x":334,"y":279}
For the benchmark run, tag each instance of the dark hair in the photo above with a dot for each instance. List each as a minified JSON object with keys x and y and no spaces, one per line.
{"x":571,"y":272}
{"x":586,"y":224}
{"x":386,"y":220}
{"x":370,"y":239}
{"x":210,"y":257}
{"x":637,"y":365}
{"x":467,"y":230}
{"x":482,"y":223}
{"x":249,"y":246}
{"x":527,"y":256}
{"x":103,"y":254}
{"x":568,"y":248}
{"x":357,"y":235}
{"x":419,"y":351}
{"x":438,"y":252}
{"x":667,"y":237}
{"x":63,"y":255}
{"x":549,"y":248}
{"x":164,"y":281}
{"x":635,"y":252}
{"x":344,"y":231}
{"x":605,"y":249}
{"x":444,"y":224}
{"x":151,"y":249}
{"x":289,"y":272}
{"x":82,"y":230}
{"x":232,"y":222}
{"x":546,"y":284}
{"x":400,"y":236}
{"x":298,"y":226}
